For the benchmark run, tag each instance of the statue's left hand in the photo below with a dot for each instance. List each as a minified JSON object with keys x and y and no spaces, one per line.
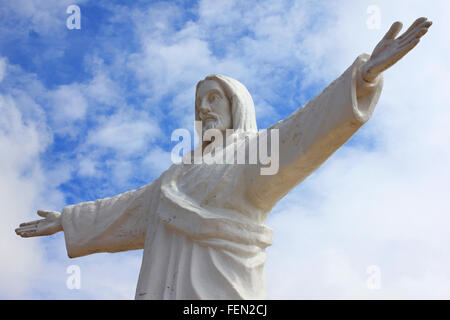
{"x":390,"y":49}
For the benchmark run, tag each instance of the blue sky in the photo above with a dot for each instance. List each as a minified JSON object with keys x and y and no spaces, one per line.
{"x":88,"y":114}
{"x":106,"y":52}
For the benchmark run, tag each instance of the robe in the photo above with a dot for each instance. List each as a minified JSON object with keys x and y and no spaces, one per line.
{"x":203,"y":226}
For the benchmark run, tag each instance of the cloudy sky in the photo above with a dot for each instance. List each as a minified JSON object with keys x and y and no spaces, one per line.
{"x":88,"y":113}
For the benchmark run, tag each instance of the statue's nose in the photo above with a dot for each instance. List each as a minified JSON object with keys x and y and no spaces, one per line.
{"x":204,"y":108}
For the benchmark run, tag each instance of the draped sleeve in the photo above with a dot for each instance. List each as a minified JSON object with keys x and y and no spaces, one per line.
{"x":314,"y":132}
{"x":111,"y":224}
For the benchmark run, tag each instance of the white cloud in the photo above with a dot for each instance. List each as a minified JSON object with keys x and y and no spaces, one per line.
{"x":23,"y":188}
{"x":16,"y":196}
{"x":87,"y":167}
{"x":157,"y":161}
{"x":103,"y":89}
{"x":69,"y":103}
{"x":126,"y":132}
{"x":76,"y":102}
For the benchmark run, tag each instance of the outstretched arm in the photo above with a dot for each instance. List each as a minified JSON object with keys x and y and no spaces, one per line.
{"x":309,"y":136}
{"x":105,"y":225}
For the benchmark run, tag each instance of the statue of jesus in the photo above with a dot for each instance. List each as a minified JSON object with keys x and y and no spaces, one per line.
{"x":202,"y":226}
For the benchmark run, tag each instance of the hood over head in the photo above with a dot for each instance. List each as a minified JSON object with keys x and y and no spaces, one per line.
{"x":242,"y":107}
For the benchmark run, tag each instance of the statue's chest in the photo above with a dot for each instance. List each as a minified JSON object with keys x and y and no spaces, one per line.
{"x":201,"y":181}
{"x":211,"y":187}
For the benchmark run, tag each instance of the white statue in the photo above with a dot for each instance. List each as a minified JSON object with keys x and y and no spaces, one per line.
{"x":202,"y":226}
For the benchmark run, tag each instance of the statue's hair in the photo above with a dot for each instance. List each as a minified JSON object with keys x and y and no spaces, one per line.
{"x":242,"y":107}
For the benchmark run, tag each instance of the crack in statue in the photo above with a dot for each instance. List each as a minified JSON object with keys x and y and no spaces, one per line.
{"x":202,"y":226}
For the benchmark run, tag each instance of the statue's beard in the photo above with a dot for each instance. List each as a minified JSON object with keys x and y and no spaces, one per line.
{"x":210,"y":124}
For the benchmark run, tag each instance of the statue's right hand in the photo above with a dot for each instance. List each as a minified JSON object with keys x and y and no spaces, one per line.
{"x":43,"y":227}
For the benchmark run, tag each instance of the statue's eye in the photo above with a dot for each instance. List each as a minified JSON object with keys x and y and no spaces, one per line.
{"x":213,"y":97}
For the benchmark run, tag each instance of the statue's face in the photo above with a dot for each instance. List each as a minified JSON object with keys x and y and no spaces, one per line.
{"x":213,"y":106}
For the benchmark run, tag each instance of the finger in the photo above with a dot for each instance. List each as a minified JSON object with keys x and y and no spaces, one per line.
{"x":418,"y":28}
{"x":421,"y":33}
{"x":416,"y":34}
{"x":394,"y":30}
{"x":28,"y":227}
{"x":25,"y":229}
{"x":28,"y":234}
{"x":406,"y":44}
{"x":423,"y":29}
{"x":22,"y":233}
{"x":53,"y":214}
{"x":404,"y":49}
{"x":424,"y":25}
{"x":416,"y":25}
{"x":48,"y":214}
{"x":43,"y":213}
{"x":35,"y":222}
